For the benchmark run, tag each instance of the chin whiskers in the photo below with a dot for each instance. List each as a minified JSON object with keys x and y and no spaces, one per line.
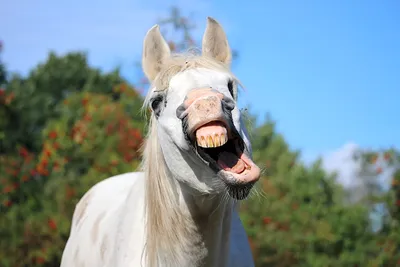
{"x":239,"y":191}
{"x":263,"y":171}
{"x":257,"y":193}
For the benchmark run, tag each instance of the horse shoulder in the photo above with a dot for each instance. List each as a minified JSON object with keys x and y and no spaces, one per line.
{"x":95,"y":221}
{"x":240,"y":252}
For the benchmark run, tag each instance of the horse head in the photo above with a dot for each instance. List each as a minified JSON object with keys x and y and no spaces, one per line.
{"x":193,"y":99}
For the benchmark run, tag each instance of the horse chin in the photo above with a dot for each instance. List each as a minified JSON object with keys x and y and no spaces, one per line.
{"x":236,"y":190}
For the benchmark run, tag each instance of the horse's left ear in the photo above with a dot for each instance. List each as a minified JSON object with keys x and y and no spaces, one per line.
{"x":215,"y":44}
{"x":155,"y":52}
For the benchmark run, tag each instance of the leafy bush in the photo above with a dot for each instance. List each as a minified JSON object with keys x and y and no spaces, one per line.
{"x":95,"y":136}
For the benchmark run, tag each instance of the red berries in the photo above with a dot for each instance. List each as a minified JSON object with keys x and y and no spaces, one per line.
{"x":267,"y":220}
{"x":53,"y":135}
{"x":52,"y":224}
{"x":23,"y":152}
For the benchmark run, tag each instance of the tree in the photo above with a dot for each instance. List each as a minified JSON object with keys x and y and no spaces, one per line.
{"x":299,"y":217}
{"x":76,"y":129}
{"x":381,"y":171}
{"x":3,"y":74}
{"x":36,"y":96}
{"x":5,"y":100}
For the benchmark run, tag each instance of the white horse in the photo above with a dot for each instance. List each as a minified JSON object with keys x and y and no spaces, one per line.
{"x":181,"y":211}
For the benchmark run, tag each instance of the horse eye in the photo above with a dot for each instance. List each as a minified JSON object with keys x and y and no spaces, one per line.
{"x":156,"y":104}
{"x":230,"y":87}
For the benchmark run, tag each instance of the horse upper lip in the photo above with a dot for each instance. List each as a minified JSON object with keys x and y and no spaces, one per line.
{"x":203,"y":123}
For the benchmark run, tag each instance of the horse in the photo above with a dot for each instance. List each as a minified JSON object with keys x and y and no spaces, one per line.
{"x":181,"y":208}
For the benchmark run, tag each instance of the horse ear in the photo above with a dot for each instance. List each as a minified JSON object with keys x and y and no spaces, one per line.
{"x":215,"y":44}
{"x":155,"y":52}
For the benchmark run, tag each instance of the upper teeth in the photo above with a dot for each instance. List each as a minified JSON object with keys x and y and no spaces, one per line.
{"x":212,"y":140}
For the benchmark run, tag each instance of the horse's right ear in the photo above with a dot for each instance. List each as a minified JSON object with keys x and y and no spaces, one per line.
{"x":215,"y":44}
{"x":155,"y":52}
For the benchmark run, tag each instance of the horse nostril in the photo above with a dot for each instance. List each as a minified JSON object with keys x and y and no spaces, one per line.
{"x":228,"y":103}
{"x":180,"y":111}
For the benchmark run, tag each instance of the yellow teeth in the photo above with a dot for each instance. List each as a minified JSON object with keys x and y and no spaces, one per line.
{"x":212,"y":141}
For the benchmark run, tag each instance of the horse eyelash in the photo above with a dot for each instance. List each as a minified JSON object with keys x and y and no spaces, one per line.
{"x":230,"y":87}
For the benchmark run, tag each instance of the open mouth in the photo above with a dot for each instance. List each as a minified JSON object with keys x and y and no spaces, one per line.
{"x":223,"y":150}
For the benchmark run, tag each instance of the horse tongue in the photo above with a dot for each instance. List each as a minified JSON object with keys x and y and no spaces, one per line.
{"x":230,"y":162}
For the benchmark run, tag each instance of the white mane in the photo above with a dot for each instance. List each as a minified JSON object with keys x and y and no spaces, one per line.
{"x":169,"y":232}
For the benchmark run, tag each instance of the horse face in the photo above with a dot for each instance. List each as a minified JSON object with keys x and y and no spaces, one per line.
{"x":199,"y":122}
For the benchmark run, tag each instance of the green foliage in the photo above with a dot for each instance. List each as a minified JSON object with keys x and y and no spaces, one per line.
{"x":37,"y":96}
{"x":83,"y":137}
{"x":377,"y":166}
{"x":3,"y":73}
{"x":299,"y":216}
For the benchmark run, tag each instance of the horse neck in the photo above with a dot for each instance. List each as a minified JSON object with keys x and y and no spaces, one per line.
{"x":212,"y":217}
{"x":183,"y":228}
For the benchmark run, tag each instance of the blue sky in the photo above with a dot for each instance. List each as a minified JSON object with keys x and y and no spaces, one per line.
{"x":327,"y":71}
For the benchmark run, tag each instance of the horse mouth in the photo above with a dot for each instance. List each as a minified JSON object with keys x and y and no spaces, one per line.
{"x":223,"y":149}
